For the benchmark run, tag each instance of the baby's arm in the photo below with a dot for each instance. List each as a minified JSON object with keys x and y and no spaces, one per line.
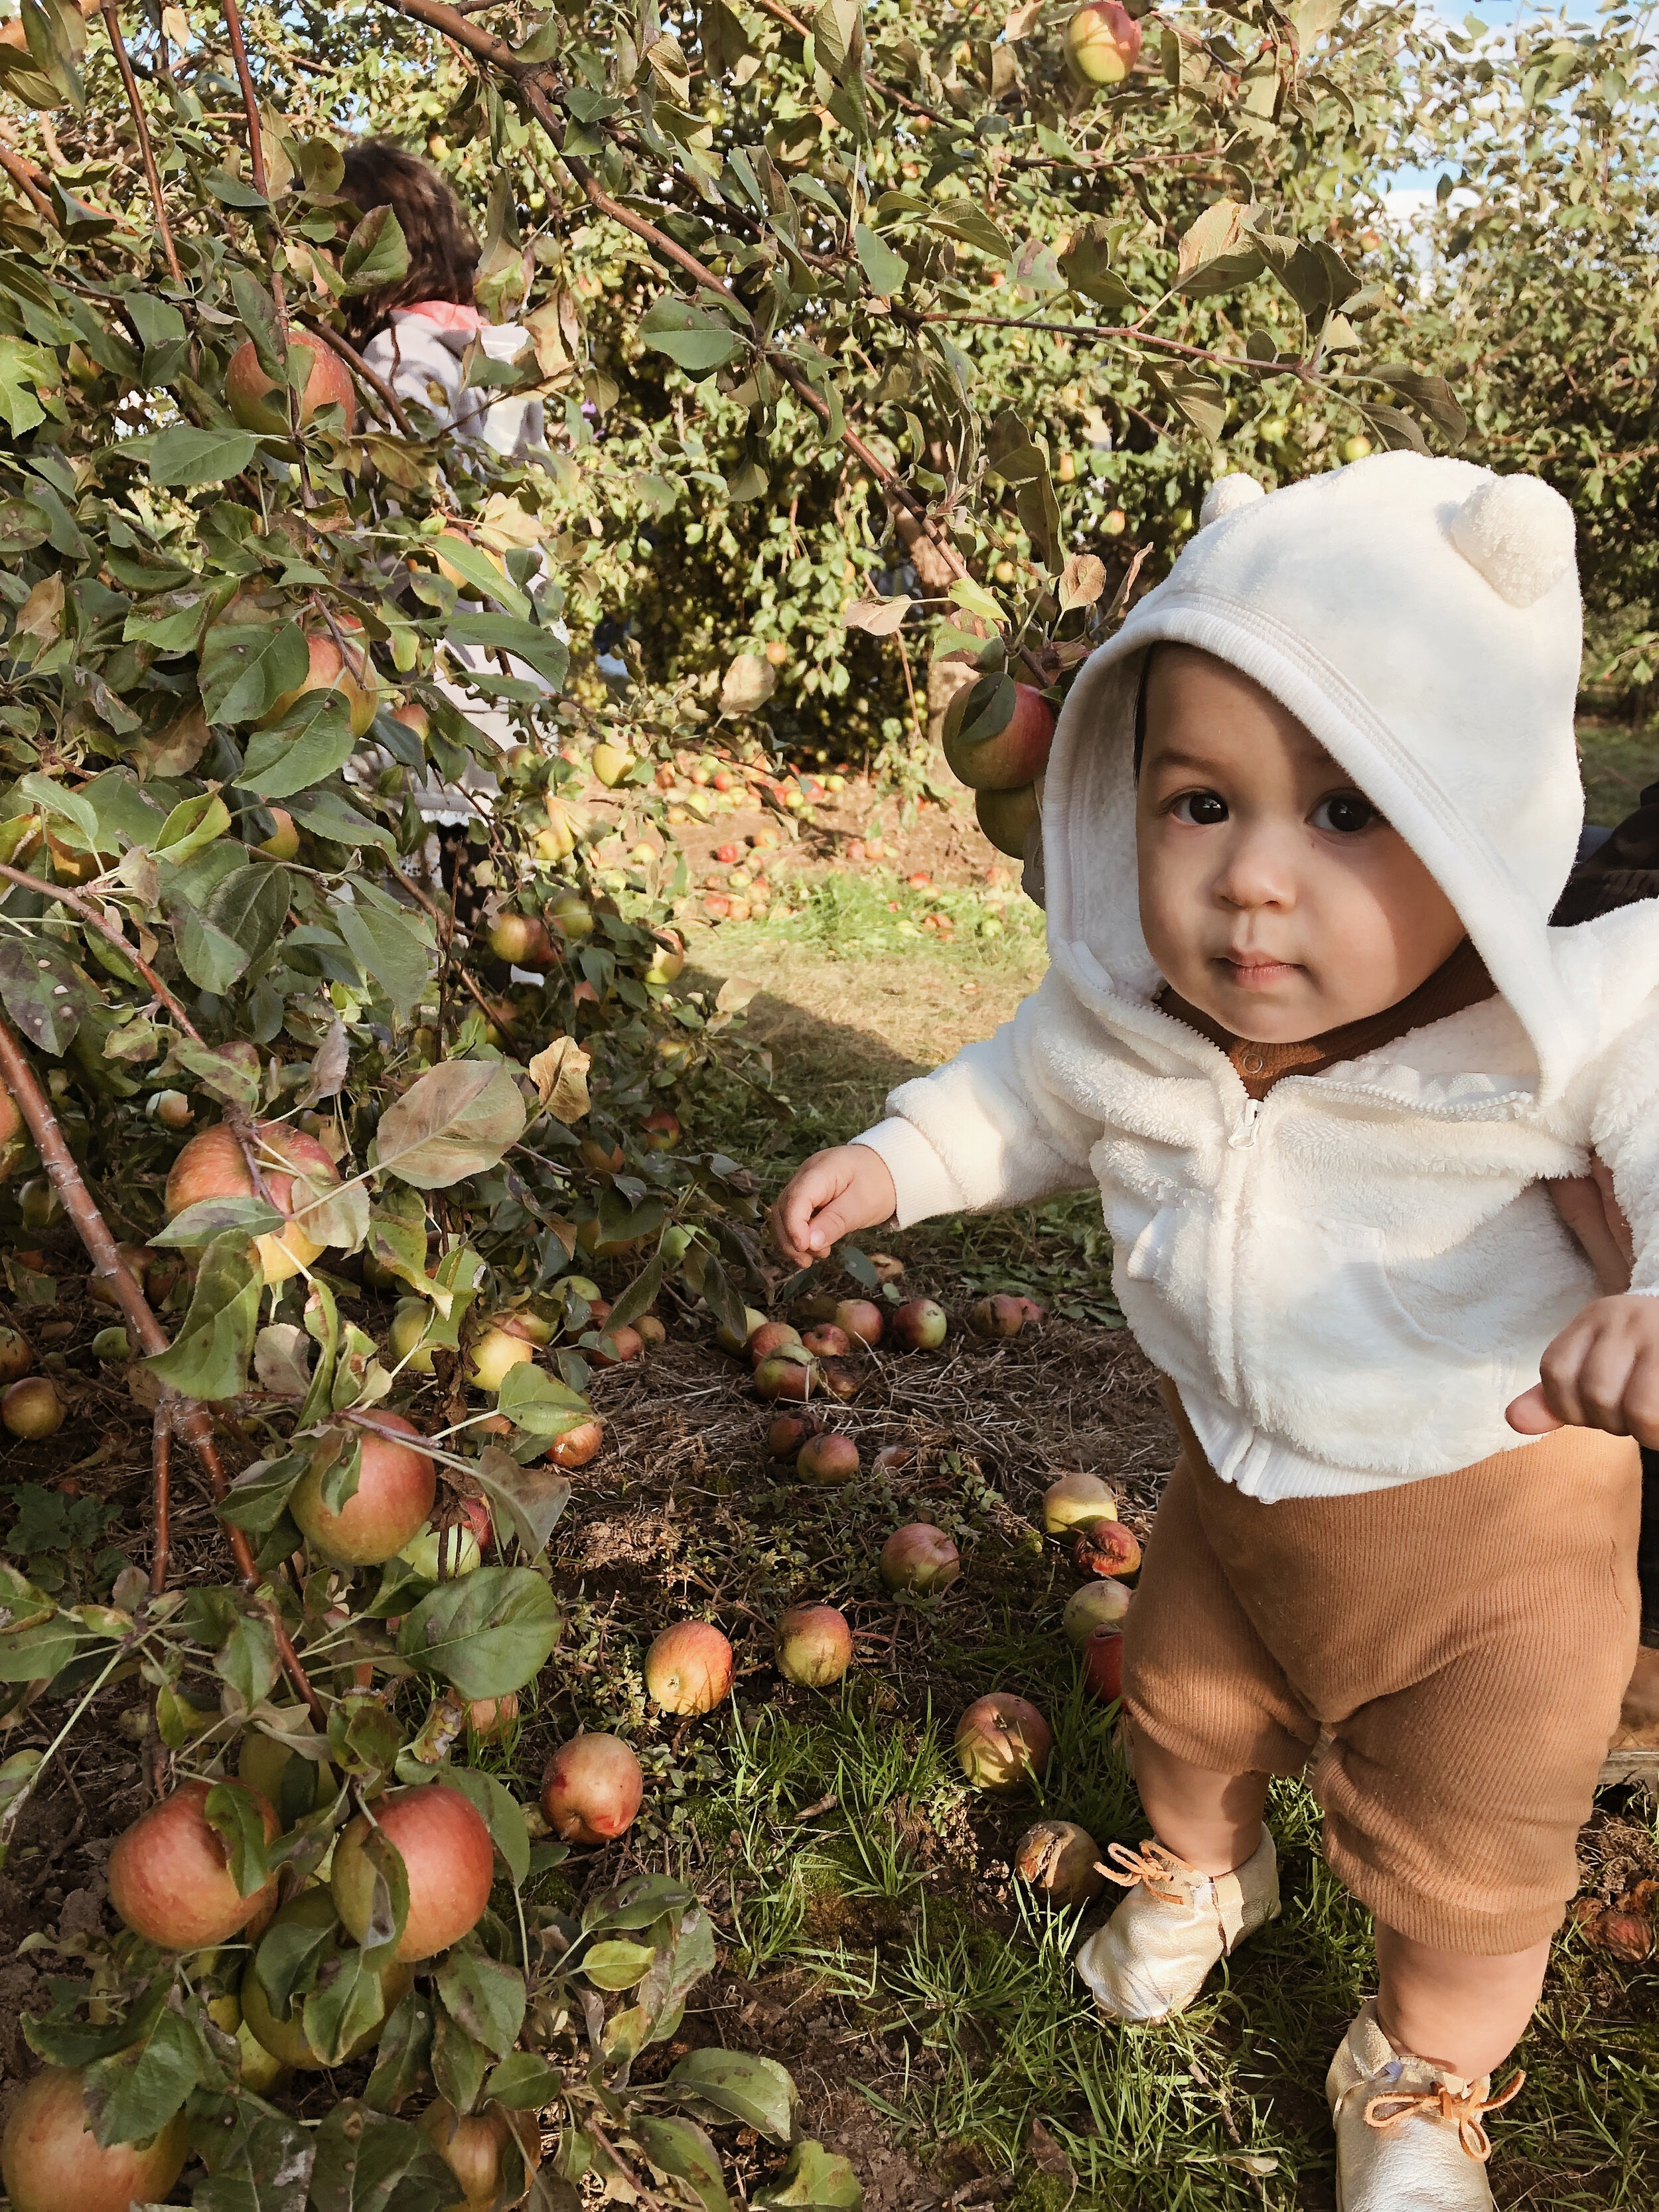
{"x":985,"y":1130}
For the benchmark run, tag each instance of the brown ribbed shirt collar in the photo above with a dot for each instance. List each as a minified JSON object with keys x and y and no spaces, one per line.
{"x":1460,"y":981}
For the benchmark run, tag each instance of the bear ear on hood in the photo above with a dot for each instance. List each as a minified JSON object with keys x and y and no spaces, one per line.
{"x":1518,"y":534}
{"x":1225,"y":496}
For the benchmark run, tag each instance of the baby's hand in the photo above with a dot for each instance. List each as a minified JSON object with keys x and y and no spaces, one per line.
{"x":836,"y":1193}
{"x":1601,"y":1372}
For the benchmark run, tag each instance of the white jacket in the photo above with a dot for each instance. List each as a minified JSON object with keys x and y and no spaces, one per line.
{"x":1348,"y":1282}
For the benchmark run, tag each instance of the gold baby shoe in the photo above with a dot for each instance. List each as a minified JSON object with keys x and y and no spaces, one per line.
{"x":1409,"y":2138}
{"x":1150,"y":1958}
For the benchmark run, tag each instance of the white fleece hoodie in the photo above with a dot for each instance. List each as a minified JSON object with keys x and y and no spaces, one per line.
{"x":1349,"y":1281}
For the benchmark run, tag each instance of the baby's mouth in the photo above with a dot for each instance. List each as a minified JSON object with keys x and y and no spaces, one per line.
{"x":1257,"y":971}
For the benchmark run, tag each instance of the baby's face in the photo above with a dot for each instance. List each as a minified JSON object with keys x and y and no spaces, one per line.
{"x":1273,"y":896}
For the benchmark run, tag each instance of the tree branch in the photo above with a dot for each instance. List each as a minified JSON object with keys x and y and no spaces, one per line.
{"x":152,"y":174}
{"x":94,"y":920}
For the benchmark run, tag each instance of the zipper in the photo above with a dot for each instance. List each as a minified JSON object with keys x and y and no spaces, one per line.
{"x":1244,"y":1135}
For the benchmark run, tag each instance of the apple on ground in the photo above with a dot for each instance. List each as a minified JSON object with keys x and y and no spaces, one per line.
{"x":448,"y":1857}
{"x":728,"y":1340}
{"x":860,"y":1318}
{"x":576,"y":1446}
{"x":52,"y":2162}
{"x":786,"y":1435}
{"x":495,"y":1354}
{"x":814,"y":1646}
{"x":1001,"y":1742}
{"x":1107,"y":1548}
{"x":169,"y":1874}
{"x":784,"y":1376}
{"x":688,"y":1668}
{"x":1062,"y":1861}
{"x":477,"y":2148}
{"x":828,"y":1461}
{"x":590,"y":1789}
{"x":396,"y":1486}
{"x":1077,"y":1501}
{"x":997,"y":1317}
{"x":919,"y":1325}
{"x":32,"y":1408}
{"x":490,"y":1720}
{"x":1096,"y":1605}
{"x":1103,"y":1664}
{"x":16,"y":1355}
{"x":771,"y":1336}
{"x":919,"y":1559}
{"x":826,"y":1341}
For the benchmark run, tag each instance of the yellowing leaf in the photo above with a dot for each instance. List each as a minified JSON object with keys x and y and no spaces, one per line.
{"x":876,"y":617}
{"x":559,"y":1073}
{"x":748,"y":684}
{"x":1082,"y":581}
{"x":41,"y":614}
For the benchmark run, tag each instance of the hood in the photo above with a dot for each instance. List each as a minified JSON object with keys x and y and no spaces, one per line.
{"x":1421,"y":618}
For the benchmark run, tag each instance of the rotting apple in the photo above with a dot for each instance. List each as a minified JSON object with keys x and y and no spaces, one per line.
{"x":1109,"y":1548}
{"x":592,"y":1788}
{"x":826,"y":1341}
{"x":688,"y":1668}
{"x":169,"y":1874}
{"x":997,"y":1317}
{"x":578,"y":1445}
{"x":448,"y":1857}
{"x":828,"y":1461}
{"x":1061,"y":1860}
{"x":919,"y":1559}
{"x":813,"y":1646}
{"x":397,"y":1485}
{"x":52,"y":2162}
{"x":1001,"y":1741}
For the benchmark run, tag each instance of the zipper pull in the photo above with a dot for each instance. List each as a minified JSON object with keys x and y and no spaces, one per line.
{"x":1245,"y":1136}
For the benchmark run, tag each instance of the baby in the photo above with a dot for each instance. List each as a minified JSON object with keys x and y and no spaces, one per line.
{"x":1307,"y":1028}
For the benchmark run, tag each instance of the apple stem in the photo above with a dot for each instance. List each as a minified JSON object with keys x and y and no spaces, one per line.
{"x":189,"y":1419}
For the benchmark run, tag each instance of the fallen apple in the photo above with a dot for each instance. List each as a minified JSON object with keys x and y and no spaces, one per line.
{"x":997,"y":1317}
{"x":919,"y":1557}
{"x":839,"y":1380}
{"x":16,"y":1354}
{"x":780,"y":1377}
{"x":592,"y":1788}
{"x":169,"y":1874}
{"x":771,"y":1336}
{"x":919,"y":1325}
{"x":1060,"y":1860}
{"x":826,"y":1341}
{"x":616,"y":1346}
{"x":448,"y":1857}
{"x":813,"y":1646}
{"x":728,"y":1340}
{"x":1001,"y":1742}
{"x":1077,"y":1501}
{"x":1108,"y":1548}
{"x":33,"y":1408}
{"x":1096,"y":1605}
{"x":492,"y":1720}
{"x":786,"y":1435}
{"x":578,"y":1445}
{"x":52,"y":2162}
{"x":494,"y":1355}
{"x":1102,"y":1663}
{"x":397,"y":1485}
{"x":651,"y":1332}
{"x":888,"y":1269}
{"x":828,"y":1461}
{"x":859,"y":1317}
{"x":688,"y":1668}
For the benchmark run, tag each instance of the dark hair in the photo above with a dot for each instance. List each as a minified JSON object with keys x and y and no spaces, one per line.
{"x":443,"y":254}
{"x":1140,"y":707}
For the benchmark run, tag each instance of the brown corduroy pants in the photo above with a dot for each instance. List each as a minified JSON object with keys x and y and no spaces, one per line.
{"x":1455,"y":1647}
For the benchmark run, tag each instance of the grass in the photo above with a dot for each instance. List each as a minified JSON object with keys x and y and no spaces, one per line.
{"x":866,"y":1881}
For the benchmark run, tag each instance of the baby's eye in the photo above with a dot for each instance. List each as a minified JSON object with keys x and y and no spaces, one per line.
{"x":1345,"y":811}
{"x":1201,"y":808}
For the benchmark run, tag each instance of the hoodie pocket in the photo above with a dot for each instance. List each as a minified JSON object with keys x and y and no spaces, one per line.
{"x":1150,"y":1255}
{"x":1359,"y":1299}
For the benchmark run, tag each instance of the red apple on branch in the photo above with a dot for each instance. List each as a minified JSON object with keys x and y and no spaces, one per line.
{"x":448,"y":1857}
{"x":170,"y":1877}
{"x":260,"y":404}
{"x":998,"y":734}
{"x":52,"y":2162}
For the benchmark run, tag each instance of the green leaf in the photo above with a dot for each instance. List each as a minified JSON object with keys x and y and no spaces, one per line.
{"x":453,"y":1121}
{"x":529,"y":1500}
{"x":459,"y":2063}
{"x":183,"y":456}
{"x":28,"y":1655}
{"x":265,"y":2167}
{"x":246,"y":666}
{"x":375,"y":254}
{"x":889,"y":272}
{"x":367,"y":2161}
{"x":403,"y":2055}
{"x":258,"y":1497}
{"x":209,"y":1357}
{"x":208,"y":1217}
{"x":347,"y":2003}
{"x":617,"y":1964}
{"x":25,"y":370}
{"x":481,"y":1996}
{"x":247,"y":1661}
{"x":696,"y":341}
{"x":487,"y":1634}
{"x":676,"y":2147}
{"x":757,"y":2092}
{"x":537,"y":648}
{"x":390,"y":945}
{"x":472,"y":563}
{"x":310,"y":742}
{"x":41,"y":991}
{"x":1199,"y":398}
{"x":230,"y":1809}
{"x":500,"y":1812}
{"x":524,"y":2082}
{"x":814,"y":2180}
{"x":291,"y":1956}
{"x":325,"y":814}
{"x":133,"y":2095}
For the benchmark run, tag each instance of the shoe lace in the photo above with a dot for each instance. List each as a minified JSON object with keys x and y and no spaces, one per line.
{"x":1468,"y":2107}
{"x":1153,"y":1867}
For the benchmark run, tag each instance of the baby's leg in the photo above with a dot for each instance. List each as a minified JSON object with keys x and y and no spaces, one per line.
{"x":1212,"y":1820}
{"x":1461,"y":2014}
